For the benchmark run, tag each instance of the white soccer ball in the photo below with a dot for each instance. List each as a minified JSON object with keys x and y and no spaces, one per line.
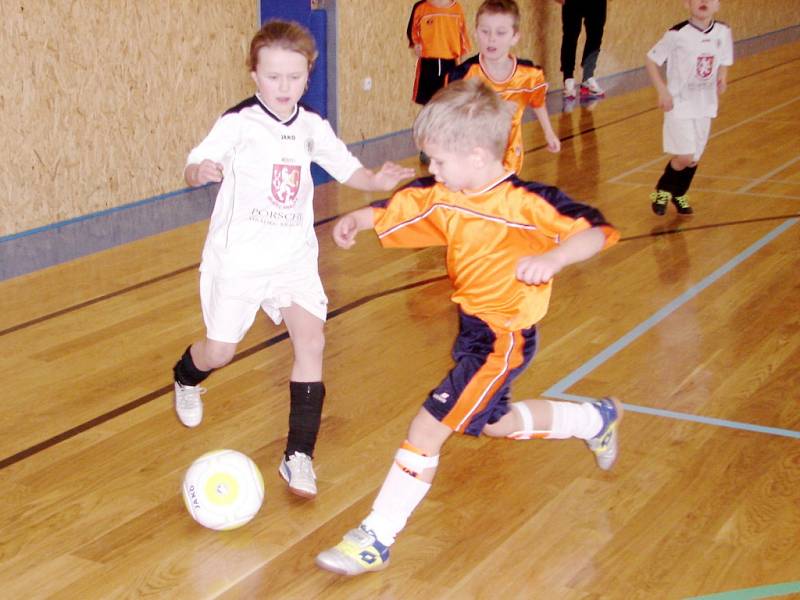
{"x":223,"y":489}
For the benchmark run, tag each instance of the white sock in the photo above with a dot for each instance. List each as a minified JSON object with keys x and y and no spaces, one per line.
{"x":574,"y":419}
{"x":399,"y":496}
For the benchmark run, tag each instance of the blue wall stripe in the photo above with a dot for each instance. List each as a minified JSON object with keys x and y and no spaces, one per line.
{"x":100,"y":213}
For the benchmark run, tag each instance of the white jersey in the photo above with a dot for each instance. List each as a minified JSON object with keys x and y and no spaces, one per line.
{"x":694,"y":57}
{"x":263,"y":218}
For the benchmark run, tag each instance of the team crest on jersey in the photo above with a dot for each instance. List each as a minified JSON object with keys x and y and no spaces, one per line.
{"x":285,"y":183}
{"x":705,"y":66}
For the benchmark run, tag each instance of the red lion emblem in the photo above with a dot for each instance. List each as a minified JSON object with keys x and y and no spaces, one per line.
{"x":705,"y":66}
{"x":285,"y":183}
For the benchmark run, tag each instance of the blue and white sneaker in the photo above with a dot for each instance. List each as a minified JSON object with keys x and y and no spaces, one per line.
{"x":605,"y":444}
{"x":358,"y":552}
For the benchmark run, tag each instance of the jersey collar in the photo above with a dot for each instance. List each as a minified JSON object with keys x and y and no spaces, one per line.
{"x":707,"y":29}
{"x":491,"y":186}
{"x":288,"y":121}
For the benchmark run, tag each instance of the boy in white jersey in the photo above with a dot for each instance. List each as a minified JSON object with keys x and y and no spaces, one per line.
{"x":261,"y":249}
{"x":698,"y":53}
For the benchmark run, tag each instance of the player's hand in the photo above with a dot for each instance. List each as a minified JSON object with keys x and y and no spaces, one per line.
{"x":665,"y":102}
{"x":535,"y":270}
{"x":344,"y":232}
{"x":390,"y":175}
{"x":722,"y":85}
{"x":205,"y":172}
{"x":553,"y":144}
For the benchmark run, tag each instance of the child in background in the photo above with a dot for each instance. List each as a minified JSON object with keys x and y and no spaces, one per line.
{"x":437,"y":31}
{"x":698,"y":52}
{"x":592,"y":15}
{"x":514,"y":79}
{"x":261,"y":249}
{"x":506,"y":239}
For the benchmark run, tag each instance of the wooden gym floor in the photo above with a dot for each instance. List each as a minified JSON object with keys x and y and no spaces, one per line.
{"x":695,"y":324}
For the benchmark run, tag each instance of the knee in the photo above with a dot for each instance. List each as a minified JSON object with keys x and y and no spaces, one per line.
{"x":681,"y":162}
{"x":218,"y":355}
{"x":495,"y":430}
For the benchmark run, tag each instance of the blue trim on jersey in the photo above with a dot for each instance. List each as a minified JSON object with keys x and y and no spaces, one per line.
{"x":561,"y":202}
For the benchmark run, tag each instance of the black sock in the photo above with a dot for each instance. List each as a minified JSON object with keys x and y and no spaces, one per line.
{"x":305,"y":414}
{"x":670,"y":180}
{"x":186,"y":373}
{"x":686,"y":176}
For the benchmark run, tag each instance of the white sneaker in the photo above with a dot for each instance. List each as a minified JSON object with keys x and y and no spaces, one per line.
{"x":590,"y":87}
{"x":298,"y":472}
{"x":570,"y":89}
{"x":605,"y":444}
{"x":188,"y":404}
{"x":358,"y":552}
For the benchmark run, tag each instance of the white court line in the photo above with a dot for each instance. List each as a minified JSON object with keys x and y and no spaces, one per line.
{"x":715,"y":191}
{"x":713,"y":135}
{"x":775,"y":171}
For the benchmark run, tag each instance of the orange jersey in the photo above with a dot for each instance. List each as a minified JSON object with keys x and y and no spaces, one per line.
{"x":442,"y":32}
{"x":525,"y":86}
{"x":486,"y":234}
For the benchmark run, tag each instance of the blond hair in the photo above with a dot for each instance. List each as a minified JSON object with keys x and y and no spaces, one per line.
{"x":463,"y":115}
{"x":500,"y":7}
{"x":288,"y":35}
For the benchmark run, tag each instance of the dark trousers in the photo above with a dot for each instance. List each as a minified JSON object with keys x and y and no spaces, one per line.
{"x":592,"y":15}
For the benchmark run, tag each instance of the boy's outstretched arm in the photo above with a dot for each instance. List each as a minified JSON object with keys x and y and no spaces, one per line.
{"x":553,"y":143}
{"x":541,"y":268}
{"x":346,"y":228}
{"x":384,"y":180}
{"x":664,"y":97}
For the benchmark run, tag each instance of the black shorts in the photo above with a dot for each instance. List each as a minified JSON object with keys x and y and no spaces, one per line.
{"x":430,"y":78}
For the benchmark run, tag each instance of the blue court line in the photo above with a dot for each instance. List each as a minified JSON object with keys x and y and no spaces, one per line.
{"x":764,"y":591}
{"x":681,"y":416}
{"x":558,"y":390}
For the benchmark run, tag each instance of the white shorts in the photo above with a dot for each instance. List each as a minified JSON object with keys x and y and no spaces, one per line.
{"x":686,"y":136}
{"x":230,"y":304}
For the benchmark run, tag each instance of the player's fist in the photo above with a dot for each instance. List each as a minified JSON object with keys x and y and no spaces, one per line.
{"x":344,"y":231}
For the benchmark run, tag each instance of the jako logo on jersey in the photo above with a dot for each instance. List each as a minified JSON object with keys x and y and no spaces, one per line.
{"x":285,"y":183}
{"x":286,"y":136}
{"x":309,"y":145}
{"x":442,"y":397}
{"x":705,"y":66}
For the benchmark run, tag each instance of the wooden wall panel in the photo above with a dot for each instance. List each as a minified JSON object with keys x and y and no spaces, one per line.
{"x":379,"y":50}
{"x":101,"y":101}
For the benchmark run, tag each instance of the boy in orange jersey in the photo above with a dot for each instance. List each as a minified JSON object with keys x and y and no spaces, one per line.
{"x":506,"y":239}
{"x":437,"y":31}
{"x":515,"y":79}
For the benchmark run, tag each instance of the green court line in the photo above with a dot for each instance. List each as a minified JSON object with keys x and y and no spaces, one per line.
{"x":764,"y":591}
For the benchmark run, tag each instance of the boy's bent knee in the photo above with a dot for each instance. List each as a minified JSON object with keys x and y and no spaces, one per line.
{"x":218,"y":354}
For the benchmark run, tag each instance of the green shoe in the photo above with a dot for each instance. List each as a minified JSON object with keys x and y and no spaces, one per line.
{"x":659,"y":200}
{"x":682,"y":204}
